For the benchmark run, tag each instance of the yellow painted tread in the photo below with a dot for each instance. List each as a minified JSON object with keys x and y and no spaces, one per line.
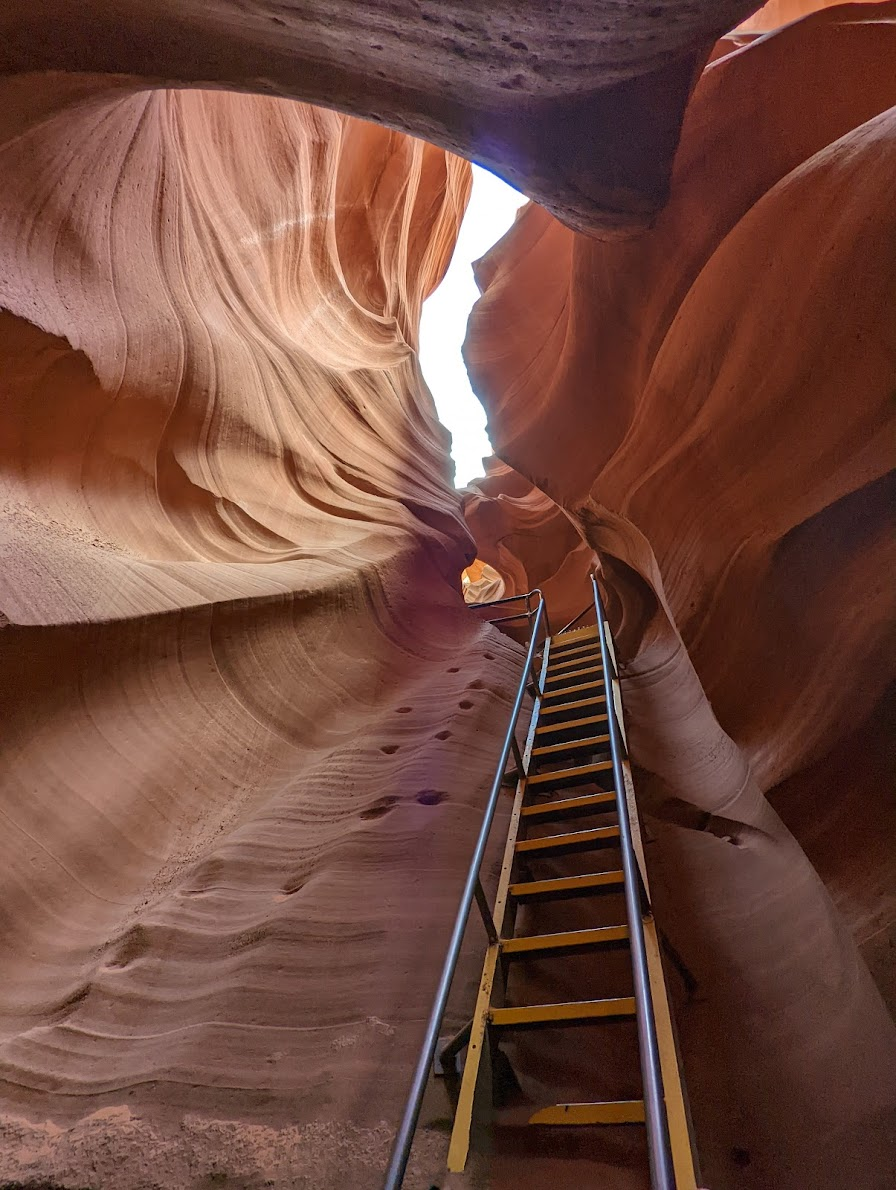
{"x":549,"y":694}
{"x":575,"y":839}
{"x":622,"y":1111}
{"x":564,"y":707}
{"x":570,"y":725}
{"x":571,"y":1012}
{"x":575,"y":673}
{"x":567,"y":940}
{"x":569,"y":745}
{"x":577,"y":659}
{"x":570,"y":806}
{"x":561,"y":885}
{"x":574,"y":637}
{"x":575,"y":646}
{"x":573,"y":773}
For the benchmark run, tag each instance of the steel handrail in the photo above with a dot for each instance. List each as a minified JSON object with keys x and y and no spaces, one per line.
{"x":527,"y":614}
{"x":404,"y":1139}
{"x":506,"y":599}
{"x":662,"y":1176}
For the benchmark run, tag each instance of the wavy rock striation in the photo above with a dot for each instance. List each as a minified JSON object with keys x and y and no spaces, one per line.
{"x":494,"y":85}
{"x":247,"y":720}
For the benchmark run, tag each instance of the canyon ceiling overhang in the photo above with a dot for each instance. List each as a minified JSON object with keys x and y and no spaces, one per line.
{"x":578,"y":104}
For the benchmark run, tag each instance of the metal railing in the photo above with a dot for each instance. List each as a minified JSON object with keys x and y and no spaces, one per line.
{"x":662,"y":1176}
{"x":526,"y":615}
{"x":473,"y":891}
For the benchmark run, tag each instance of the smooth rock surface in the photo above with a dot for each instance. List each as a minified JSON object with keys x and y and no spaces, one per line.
{"x":247,"y":720}
{"x":578,"y":104}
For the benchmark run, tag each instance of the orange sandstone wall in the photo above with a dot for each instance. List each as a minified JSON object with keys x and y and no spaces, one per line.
{"x":775,"y":13}
{"x":709,"y":404}
{"x":493,"y":84}
{"x":247,"y":720}
{"x":246,"y":717}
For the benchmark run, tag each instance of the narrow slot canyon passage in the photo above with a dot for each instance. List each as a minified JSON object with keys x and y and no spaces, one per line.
{"x":443,"y":323}
{"x":250,"y":723}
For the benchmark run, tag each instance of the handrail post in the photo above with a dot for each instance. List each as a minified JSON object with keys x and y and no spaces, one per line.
{"x":404,"y":1138}
{"x":488,"y":919}
{"x":662,"y":1176}
{"x":517,"y":755}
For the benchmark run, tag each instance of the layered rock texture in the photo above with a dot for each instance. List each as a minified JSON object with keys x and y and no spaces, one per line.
{"x":236,"y":664}
{"x":248,"y":721}
{"x":578,"y":103}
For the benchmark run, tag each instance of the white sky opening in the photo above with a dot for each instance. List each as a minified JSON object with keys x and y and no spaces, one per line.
{"x":493,"y":206}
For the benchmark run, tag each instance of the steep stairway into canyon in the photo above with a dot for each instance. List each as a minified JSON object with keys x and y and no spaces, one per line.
{"x":572,"y":891}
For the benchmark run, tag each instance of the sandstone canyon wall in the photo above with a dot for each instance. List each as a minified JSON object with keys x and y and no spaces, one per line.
{"x":246,"y":718}
{"x":247,"y":721}
{"x":708,"y":405}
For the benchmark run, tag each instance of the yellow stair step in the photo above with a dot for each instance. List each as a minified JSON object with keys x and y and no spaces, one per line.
{"x":565,"y":707}
{"x":535,"y":945}
{"x":570,"y":726}
{"x":578,"y":658}
{"x":622,"y":1111}
{"x":574,"y":673}
{"x":574,"y":637}
{"x":571,"y":807}
{"x":573,"y":745}
{"x":562,"y":887}
{"x":574,"y":1012}
{"x":571,"y":690}
{"x":601,"y":836}
{"x":575,"y":775}
{"x":575,"y":646}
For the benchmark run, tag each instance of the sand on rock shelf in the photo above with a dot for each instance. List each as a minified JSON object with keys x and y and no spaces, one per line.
{"x":248,"y":722}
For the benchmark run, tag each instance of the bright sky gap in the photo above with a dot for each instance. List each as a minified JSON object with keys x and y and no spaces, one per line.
{"x":493,"y":205}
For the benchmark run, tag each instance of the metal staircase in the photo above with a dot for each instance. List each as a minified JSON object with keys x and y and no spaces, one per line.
{"x":573,"y":797}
